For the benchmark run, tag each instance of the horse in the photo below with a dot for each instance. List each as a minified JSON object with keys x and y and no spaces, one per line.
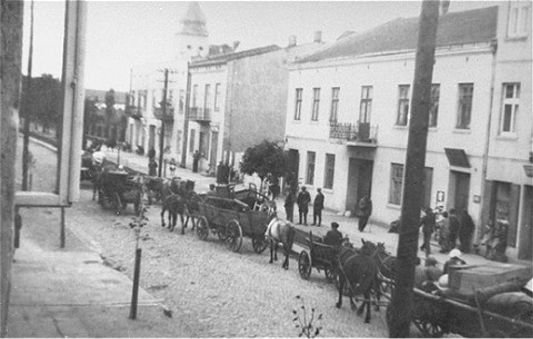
{"x":279,"y":231}
{"x":360,"y":271}
{"x":174,"y":205}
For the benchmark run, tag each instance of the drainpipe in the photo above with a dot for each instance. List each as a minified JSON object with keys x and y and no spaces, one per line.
{"x":186,"y":120}
{"x":494,"y":46}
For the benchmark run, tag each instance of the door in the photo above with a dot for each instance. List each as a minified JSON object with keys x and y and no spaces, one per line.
{"x":214,"y":149}
{"x":351,"y":189}
{"x":151,"y":137}
{"x":461,"y":183}
{"x":294,"y":168}
{"x":525,"y":246}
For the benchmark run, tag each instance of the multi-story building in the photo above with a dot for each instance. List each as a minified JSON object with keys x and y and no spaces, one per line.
{"x":239,"y":99}
{"x":509,"y":174}
{"x":348,"y":115}
{"x":145,"y":106}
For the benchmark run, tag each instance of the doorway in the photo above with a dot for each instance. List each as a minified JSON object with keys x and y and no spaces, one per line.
{"x":294,"y":168}
{"x":525,"y":247}
{"x":459,"y":190}
{"x":151,"y":137}
{"x":359,"y":182}
{"x":214,"y":149}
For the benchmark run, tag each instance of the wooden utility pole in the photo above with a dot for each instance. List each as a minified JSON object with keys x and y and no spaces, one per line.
{"x":11,"y":19}
{"x":400,"y":310}
{"x":186,"y":120}
{"x":26,"y":110}
{"x":162,"y":136}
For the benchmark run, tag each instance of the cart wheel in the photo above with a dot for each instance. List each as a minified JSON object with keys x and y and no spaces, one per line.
{"x":304,"y":265}
{"x":202,"y":229}
{"x":221,"y":232}
{"x":429,"y":329}
{"x":331,"y":274}
{"x":234,"y":236}
{"x":259,"y":244}
{"x":117,"y":203}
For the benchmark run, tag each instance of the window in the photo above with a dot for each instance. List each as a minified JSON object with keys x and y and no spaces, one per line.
{"x":365,"y":108}
{"x":434,"y":105}
{"x":207,"y":97}
{"x":191,"y":140}
{"x":217,"y":97}
{"x":298,"y":105}
{"x":403,"y":105}
{"x":396,"y":182}
{"x":518,"y":19}
{"x":511,"y":97}
{"x":329,"y":171}
{"x":311,"y":157}
{"x":316,"y":103}
{"x":194,"y":95}
{"x":334,"y":104}
{"x":465,"y":106}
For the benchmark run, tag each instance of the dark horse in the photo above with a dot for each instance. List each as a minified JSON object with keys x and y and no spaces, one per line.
{"x":359,"y":270}
{"x":279,"y":231}
{"x":174,"y":205}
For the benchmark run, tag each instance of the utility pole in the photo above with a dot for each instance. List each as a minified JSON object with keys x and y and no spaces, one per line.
{"x":162,"y":135}
{"x":400,"y":309}
{"x":26,"y":111}
{"x":186,"y":120}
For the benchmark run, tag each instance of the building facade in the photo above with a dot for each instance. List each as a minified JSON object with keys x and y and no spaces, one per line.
{"x":348,"y":114}
{"x":508,"y":188}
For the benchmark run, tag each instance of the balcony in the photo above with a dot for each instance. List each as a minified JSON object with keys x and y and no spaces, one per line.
{"x":168,"y":116}
{"x":134,"y":112}
{"x":200,"y":115}
{"x":358,"y":134}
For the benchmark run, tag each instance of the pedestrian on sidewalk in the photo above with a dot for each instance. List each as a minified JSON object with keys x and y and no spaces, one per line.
{"x":365,"y":210}
{"x":318,"y":206}
{"x":289,"y":205}
{"x":152,"y":167}
{"x":303,"y":201}
{"x":195,"y":160}
{"x":172,"y":167}
{"x":428,"y":226}
{"x":465,"y":231}
{"x":151,"y":153}
{"x":444,"y":236}
{"x":333,"y":237}
{"x":455,"y":225}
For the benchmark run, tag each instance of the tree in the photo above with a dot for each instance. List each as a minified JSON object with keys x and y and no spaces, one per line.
{"x":264,"y":158}
{"x":89,"y":117}
{"x":109,"y":111}
{"x":44,"y":101}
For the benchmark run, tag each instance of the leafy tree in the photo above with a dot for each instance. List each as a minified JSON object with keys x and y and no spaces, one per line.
{"x":264,"y":158}
{"x":89,"y":117}
{"x":109,"y":110}
{"x":44,"y":101}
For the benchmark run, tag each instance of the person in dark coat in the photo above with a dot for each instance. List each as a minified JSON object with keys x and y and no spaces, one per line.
{"x":365,"y":210}
{"x":318,"y":206}
{"x":333,"y":237}
{"x":465,"y":231}
{"x":152,"y":167}
{"x":195,"y":160}
{"x":428,"y":226}
{"x":303,"y":201}
{"x":444,"y":236}
{"x":151,"y":153}
{"x":455,"y":225}
{"x":289,"y":205}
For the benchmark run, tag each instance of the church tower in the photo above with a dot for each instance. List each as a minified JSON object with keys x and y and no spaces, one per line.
{"x":192,"y":37}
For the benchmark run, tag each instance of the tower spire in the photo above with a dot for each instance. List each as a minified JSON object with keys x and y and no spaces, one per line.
{"x":194,"y":22}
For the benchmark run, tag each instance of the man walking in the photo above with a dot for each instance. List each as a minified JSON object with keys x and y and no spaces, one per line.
{"x":289,"y":205}
{"x":465,"y":231}
{"x":428,"y":226}
{"x":303,"y":201}
{"x":318,"y":206}
{"x":365,"y":210}
{"x":454,"y":228}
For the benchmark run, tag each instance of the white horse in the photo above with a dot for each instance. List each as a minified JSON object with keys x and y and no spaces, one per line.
{"x":280,"y":231}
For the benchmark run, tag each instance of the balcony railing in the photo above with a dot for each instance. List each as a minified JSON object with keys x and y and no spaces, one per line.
{"x":360,"y":132}
{"x":199,"y":114}
{"x":134,"y":112}
{"x":167,"y":116}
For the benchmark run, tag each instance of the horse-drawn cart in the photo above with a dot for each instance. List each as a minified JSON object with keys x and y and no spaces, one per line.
{"x":231,"y":220}
{"x":116,"y":188}
{"x":318,"y":255}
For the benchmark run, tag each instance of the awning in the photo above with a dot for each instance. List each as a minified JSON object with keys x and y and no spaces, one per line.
{"x":457,"y":157}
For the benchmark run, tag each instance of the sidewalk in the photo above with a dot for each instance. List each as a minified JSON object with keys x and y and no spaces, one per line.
{"x":57,"y":293}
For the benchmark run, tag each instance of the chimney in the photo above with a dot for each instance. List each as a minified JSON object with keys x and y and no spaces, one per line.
{"x":318,"y":37}
{"x":292,"y":41}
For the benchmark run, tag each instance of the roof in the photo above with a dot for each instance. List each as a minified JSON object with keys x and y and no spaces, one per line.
{"x":224,"y":58}
{"x":466,"y":27}
{"x":194,"y":22}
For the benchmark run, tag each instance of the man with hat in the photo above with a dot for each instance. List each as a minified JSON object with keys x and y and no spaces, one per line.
{"x":333,"y":237}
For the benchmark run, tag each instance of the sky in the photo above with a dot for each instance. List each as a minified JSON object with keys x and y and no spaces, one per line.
{"x":122,"y":34}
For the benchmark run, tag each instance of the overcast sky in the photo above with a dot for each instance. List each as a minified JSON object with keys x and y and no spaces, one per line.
{"x":121,"y":34}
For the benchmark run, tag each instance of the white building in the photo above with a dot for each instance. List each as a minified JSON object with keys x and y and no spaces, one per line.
{"x":348,"y":112}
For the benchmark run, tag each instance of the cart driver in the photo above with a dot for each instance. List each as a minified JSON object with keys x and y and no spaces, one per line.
{"x":333,"y":237}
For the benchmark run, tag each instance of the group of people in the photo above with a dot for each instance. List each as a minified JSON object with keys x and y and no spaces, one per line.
{"x":455,"y":230}
{"x":303,"y":200}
